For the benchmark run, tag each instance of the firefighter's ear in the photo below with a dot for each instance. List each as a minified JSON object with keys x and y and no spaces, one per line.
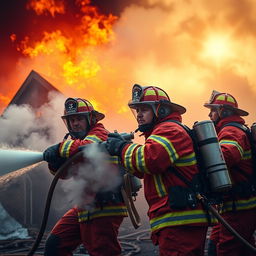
{"x":163,"y":111}
{"x":226,"y":112}
{"x":93,"y":120}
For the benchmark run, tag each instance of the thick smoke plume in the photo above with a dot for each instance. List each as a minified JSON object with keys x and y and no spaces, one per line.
{"x":94,"y":175}
{"x":27,"y":128}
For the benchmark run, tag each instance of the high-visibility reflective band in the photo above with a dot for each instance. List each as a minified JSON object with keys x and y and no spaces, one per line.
{"x":161,"y":93}
{"x":232,"y":143}
{"x":83,"y":104}
{"x":140,"y":160}
{"x":102,"y":212}
{"x":167,"y":146}
{"x":128,"y":157}
{"x":186,"y":160}
{"x":64,"y":152}
{"x":93,"y":138}
{"x":247,"y":155}
{"x":160,"y":188}
{"x":228,"y":98}
{"x":220,"y":97}
{"x":240,"y":205}
{"x":113,"y":160}
{"x":179,"y":218}
{"x":150,"y":92}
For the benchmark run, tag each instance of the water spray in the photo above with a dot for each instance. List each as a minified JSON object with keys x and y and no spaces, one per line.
{"x":12,"y":160}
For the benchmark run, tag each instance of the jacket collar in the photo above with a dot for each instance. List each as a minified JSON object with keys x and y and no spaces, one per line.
{"x":173,"y":116}
{"x":227,"y":120}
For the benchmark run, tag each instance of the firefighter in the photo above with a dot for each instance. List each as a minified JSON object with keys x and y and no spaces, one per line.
{"x":96,"y":229}
{"x":239,"y":206}
{"x":178,"y":222}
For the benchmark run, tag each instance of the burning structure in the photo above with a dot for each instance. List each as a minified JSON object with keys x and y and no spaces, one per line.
{"x":34,"y":91}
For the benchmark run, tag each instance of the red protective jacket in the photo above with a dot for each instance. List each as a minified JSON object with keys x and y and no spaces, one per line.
{"x":237,"y":153}
{"x":97,"y":134}
{"x":167,"y":144}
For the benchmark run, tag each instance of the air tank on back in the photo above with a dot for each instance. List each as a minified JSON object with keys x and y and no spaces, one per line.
{"x":253,"y":131}
{"x":212,"y":157}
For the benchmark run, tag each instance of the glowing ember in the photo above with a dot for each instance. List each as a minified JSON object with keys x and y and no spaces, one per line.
{"x":13,"y":37}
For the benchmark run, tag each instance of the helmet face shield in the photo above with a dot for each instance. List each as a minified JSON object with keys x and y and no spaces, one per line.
{"x":135,"y":108}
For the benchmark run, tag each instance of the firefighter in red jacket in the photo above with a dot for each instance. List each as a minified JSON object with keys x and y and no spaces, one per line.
{"x":178,"y":222}
{"x":239,"y":207}
{"x":96,"y":229}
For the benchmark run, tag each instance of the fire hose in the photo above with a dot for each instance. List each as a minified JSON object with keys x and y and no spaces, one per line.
{"x":49,"y":199}
{"x":210,"y":208}
{"x":133,"y":214}
{"x":125,"y":190}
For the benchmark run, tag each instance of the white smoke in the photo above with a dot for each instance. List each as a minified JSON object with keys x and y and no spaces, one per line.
{"x":95,"y":174}
{"x":27,"y":128}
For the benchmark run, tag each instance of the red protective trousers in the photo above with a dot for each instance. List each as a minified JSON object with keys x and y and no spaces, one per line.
{"x":244,"y":222}
{"x":181,"y":241}
{"x":99,"y":235}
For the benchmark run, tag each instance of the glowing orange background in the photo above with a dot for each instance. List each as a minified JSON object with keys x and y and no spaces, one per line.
{"x":188,"y":48}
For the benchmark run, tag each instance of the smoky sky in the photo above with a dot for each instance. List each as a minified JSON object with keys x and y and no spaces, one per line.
{"x":157,"y":42}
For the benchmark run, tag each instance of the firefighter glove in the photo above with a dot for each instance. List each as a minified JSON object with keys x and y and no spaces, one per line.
{"x":51,"y":154}
{"x":54,"y":166}
{"x":115,"y":144}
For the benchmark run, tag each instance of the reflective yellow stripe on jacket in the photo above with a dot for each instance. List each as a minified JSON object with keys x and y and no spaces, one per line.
{"x":186,"y":160}
{"x":233,"y":143}
{"x":140,"y":159}
{"x":245,"y":154}
{"x":159,"y":185}
{"x":167,"y":145}
{"x":65,"y":149}
{"x":244,"y":204}
{"x":93,"y":138}
{"x":178,"y":218}
{"x":102,"y":212}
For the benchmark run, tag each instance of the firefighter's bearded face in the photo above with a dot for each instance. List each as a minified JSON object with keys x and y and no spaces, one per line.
{"x":77,"y":123}
{"x":214,"y":115}
{"x":144,"y":114}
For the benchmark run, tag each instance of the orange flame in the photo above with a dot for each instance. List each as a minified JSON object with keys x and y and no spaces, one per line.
{"x":70,"y":50}
{"x":45,"y":6}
